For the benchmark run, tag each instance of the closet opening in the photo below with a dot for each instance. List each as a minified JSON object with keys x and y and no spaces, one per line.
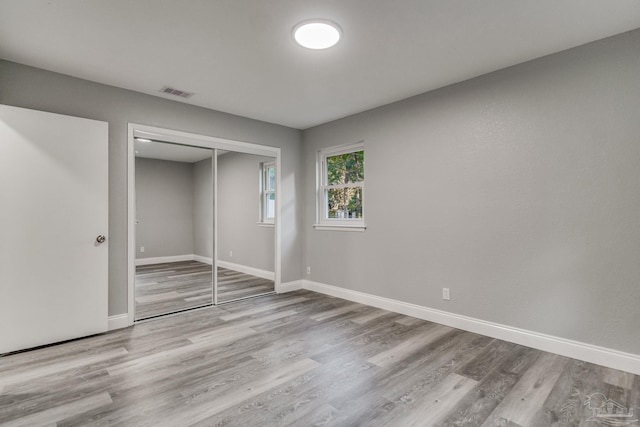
{"x":204,"y":226}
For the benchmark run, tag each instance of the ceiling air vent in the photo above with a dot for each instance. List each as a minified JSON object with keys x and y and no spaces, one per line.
{"x":176,"y":92}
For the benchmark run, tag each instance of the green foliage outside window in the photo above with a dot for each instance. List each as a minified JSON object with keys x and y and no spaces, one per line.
{"x":348,"y":168}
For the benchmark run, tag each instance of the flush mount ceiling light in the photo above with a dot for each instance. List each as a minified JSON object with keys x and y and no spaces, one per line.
{"x":317,"y":33}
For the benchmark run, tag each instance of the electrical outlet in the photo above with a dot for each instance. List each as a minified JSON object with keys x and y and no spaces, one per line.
{"x":141,"y":248}
{"x":445,"y":294}
{"x":230,"y":254}
{"x":308,"y":269}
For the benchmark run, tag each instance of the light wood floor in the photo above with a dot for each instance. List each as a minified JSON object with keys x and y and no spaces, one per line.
{"x":300,"y":359}
{"x":233,"y":285}
{"x":176,"y":286}
{"x":173,"y":286}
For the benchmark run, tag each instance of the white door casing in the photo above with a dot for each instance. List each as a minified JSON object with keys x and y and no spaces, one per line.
{"x":53,"y":205}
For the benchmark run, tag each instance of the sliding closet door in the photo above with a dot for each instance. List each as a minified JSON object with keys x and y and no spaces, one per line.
{"x":174,"y":228}
{"x":245,"y":207}
{"x":53,"y":228}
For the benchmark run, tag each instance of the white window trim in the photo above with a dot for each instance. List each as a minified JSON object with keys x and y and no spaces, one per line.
{"x":262,"y":205}
{"x":336,"y":224}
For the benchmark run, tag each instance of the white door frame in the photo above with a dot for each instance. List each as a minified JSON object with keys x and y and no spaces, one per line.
{"x":204,"y":141}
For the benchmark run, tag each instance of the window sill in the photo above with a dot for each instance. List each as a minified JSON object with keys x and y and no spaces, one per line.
{"x":266,"y":224}
{"x":340,"y":227}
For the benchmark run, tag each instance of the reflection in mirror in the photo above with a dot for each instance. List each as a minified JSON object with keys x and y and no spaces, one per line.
{"x":246,"y":234}
{"x":174,"y":228}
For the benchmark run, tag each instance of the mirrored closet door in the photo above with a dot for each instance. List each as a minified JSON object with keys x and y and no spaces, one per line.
{"x":204,"y":226}
{"x":173,"y":228}
{"x":245,"y":237}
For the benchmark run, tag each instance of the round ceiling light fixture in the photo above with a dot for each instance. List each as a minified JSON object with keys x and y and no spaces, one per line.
{"x":317,"y":34}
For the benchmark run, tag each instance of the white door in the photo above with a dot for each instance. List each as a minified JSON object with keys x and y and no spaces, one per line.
{"x":53,"y":205}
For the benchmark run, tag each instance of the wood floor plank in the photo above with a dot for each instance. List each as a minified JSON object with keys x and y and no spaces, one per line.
{"x":565,"y":404}
{"x":336,"y":312}
{"x":436,"y":404}
{"x":477,"y":405}
{"x":157,"y":359}
{"x":492,"y":355}
{"x":204,"y":297}
{"x":302,"y":401}
{"x":387,"y":386}
{"x":362,"y":343}
{"x":409,"y":346}
{"x":58,"y":413}
{"x":157,"y":297}
{"x":369,"y":316}
{"x":409,"y":321}
{"x":72,"y":362}
{"x":262,"y":309}
{"x":308,"y":338}
{"x":618,"y":378}
{"x":530,"y":393}
{"x":406,"y":391}
{"x":208,"y":409}
{"x":298,"y":359}
{"x":227,"y":332}
{"x":252,"y":290}
{"x":195,"y":273}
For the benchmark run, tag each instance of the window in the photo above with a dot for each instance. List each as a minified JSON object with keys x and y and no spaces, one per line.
{"x":341,"y":187}
{"x":267,"y":192}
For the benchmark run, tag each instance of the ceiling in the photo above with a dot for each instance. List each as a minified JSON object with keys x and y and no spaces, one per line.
{"x":238,"y":56}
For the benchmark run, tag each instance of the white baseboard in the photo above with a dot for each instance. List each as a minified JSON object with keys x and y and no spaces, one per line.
{"x":200,"y":258}
{"x":163,"y":259}
{"x":269,"y":275}
{"x":587,"y":352}
{"x":290,"y":286}
{"x":118,"y":321}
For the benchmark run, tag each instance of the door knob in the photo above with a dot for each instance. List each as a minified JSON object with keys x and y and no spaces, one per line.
{"x":100,"y":239}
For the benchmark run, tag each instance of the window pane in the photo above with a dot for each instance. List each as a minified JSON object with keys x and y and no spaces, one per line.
{"x":345,"y":168}
{"x":271,"y":178}
{"x":270,"y":206}
{"x":344,"y":203}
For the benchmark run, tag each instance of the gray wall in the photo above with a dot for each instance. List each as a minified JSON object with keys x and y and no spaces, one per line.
{"x":164,"y":208}
{"x":203,"y":209}
{"x":519,"y":190}
{"x":238,"y":201}
{"x":29,"y":87}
